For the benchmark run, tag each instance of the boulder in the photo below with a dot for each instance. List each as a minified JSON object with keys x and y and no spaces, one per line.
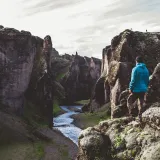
{"x":126,"y":139}
{"x":93,"y":145}
{"x":151,"y":152}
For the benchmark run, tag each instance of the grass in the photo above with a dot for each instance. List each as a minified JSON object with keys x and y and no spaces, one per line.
{"x":39,"y":149}
{"x":60,"y":76}
{"x":56,"y":108}
{"x":25,"y":151}
{"x":64,"y":153}
{"x":82,"y":102}
{"x":17,"y":151}
{"x":85,"y":120}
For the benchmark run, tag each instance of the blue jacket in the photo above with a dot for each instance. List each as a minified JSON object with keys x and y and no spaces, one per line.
{"x":139,"y":78}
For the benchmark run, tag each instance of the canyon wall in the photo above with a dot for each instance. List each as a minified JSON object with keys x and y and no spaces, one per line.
{"x":25,"y":68}
{"x":81,"y":78}
{"x":118,"y":59}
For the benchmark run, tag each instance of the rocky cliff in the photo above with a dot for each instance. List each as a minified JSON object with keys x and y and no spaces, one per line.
{"x":125,"y":138}
{"x":118,"y":60}
{"x":25,"y":80}
{"x":81,"y":78}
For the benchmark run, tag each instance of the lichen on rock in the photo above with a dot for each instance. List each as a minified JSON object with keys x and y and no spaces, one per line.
{"x":126,"y":139}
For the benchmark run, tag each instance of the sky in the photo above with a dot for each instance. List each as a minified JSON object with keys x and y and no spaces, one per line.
{"x":85,"y":26}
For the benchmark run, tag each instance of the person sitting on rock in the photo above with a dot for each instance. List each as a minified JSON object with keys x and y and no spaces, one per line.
{"x":138,"y":86}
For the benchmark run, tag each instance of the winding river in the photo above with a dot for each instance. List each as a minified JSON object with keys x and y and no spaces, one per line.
{"x":64,"y":123}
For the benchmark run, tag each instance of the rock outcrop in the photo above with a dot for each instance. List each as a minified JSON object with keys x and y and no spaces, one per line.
{"x":125,"y":138}
{"x":40,"y":89}
{"x":25,"y":73}
{"x":154,"y":87}
{"x":17,"y":53}
{"x":118,"y":59}
{"x":120,"y":139}
{"x":81,"y":78}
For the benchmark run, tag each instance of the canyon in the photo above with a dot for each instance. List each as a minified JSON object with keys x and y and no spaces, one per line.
{"x":34,"y":76}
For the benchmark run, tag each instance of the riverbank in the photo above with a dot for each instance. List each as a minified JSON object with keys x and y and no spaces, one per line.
{"x":19,"y":141}
{"x":57,"y":110}
{"x":64,"y":123}
{"x":85,"y":120}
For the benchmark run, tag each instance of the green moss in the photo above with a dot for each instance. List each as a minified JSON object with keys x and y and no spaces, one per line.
{"x":138,"y":130}
{"x":83,"y":102}
{"x":39,"y":149}
{"x":56,"y":108}
{"x":85,"y":120}
{"x":118,"y":141}
{"x":60,"y":76}
{"x":126,"y":129}
{"x":133,"y":152}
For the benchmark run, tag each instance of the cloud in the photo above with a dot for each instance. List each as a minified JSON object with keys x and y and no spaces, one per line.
{"x":86,"y":26}
{"x":40,"y":6}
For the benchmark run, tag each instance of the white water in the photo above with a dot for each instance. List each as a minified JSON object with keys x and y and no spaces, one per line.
{"x":64,"y":123}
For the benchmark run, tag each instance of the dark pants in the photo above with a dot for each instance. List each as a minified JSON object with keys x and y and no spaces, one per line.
{"x":132,"y":98}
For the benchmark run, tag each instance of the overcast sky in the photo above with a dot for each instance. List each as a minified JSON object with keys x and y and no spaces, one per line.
{"x":86,"y":26}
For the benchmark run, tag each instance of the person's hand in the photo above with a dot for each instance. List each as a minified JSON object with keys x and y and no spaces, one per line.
{"x":145,"y":97}
{"x":130,"y":92}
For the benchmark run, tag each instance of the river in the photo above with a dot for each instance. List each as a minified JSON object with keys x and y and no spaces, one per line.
{"x":64,"y":123}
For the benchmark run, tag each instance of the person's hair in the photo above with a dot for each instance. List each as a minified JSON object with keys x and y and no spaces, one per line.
{"x":139,"y":59}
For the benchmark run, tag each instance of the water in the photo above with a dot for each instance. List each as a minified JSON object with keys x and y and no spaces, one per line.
{"x":64,"y":123}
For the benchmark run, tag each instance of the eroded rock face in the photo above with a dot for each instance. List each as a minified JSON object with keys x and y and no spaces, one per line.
{"x":25,"y":65}
{"x":126,"y":139}
{"x":17,"y":53}
{"x":81,"y":78}
{"x":41,"y":87}
{"x":154,"y":87}
{"x":118,"y":61}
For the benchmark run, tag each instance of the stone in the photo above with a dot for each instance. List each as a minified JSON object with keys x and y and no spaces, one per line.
{"x":1,"y":27}
{"x":93,"y":145}
{"x":151,"y":152}
{"x":131,"y":140}
{"x":127,"y":139}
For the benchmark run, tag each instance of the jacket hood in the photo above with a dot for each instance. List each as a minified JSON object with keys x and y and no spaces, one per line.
{"x":141,"y":65}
